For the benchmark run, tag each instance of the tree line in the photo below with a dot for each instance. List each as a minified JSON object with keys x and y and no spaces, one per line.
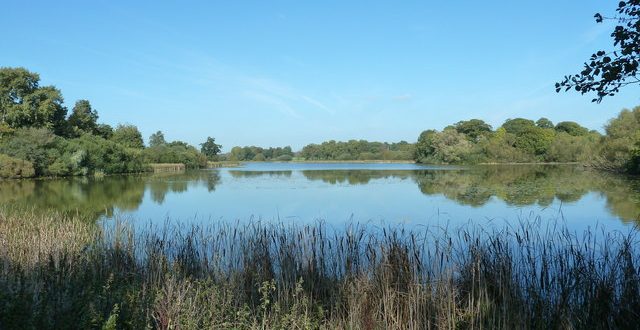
{"x":358,"y":150}
{"x":253,"y":153}
{"x":37,"y":138}
{"x":327,"y":151}
{"x":523,"y":140}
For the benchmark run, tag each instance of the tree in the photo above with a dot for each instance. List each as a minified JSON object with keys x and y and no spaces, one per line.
{"x":448,"y":147}
{"x":424,"y":146}
{"x":534,"y":140}
{"x":237,"y":154}
{"x":128,"y":136}
{"x":544,"y":123}
{"x":15,"y":84}
{"x":621,"y":145}
{"x":451,"y":147}
{"x":83,"y":119}
{"x":517,"y":125}
{"x":209,"y":148}
{"x":157,"y":139}
{"x":572,"y":128}
{"x":104,"y":131}
{"x":175,"y":152}
{"x":607,"y":71}
{"x":23,"y":103}
{"x":473,"y":128}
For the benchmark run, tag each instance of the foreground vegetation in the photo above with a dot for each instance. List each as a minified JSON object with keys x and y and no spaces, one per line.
{"x":61,"y":272}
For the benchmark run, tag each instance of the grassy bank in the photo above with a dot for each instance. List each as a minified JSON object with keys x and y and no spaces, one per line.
{"x":62,"y":272}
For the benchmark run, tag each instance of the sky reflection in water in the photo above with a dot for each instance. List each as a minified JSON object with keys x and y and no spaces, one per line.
{"x":336,"y":193}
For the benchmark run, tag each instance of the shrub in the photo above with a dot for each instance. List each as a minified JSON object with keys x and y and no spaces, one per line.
{"x":344,"y":156}
{"x":568,"y":148}
{"x":448,"y":147}
{"x":36,"y":145}
{"x":128,"y":135}
{"x":284,"y":158}
{"x":14,"y":168}
{"x":91,"y":154}
{"x":175,"y":152}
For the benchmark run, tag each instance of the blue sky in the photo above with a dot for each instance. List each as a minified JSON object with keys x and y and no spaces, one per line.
{"x":273,"y":73}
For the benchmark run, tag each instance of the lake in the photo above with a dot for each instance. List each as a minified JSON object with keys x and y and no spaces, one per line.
{"x":407,"y":194}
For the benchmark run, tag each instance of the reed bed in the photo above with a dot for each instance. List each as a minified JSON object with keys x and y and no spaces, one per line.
{"x":221,"y":164}
{"x":64,"y":272}
{"x":167,"y":167}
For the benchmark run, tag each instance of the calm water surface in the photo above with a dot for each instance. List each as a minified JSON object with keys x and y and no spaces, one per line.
{"x":337,"y":193}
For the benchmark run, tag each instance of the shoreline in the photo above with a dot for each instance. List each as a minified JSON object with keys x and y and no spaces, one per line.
{"x":232,"y":164}
{"x":409,"y":162}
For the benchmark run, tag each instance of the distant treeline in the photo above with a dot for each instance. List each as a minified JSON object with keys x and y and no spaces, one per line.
{"x":259,"y":154}
{"x":474,"y":141}
{"x":37,"y":138}
{"x":330,"y":150}
{"x":522,"y":140}
{"x":358,"y":150}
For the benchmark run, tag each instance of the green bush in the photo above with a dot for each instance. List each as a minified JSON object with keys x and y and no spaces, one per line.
{"x":51,"y":155}
{"x":127,"y":135}
{"x":90,"y":154}
{"x":368,"y":156}
{"x":567,"y":148}
{"x":344,"y":156}
{"x":284,"y":158}
{"x":175,"y":152}
{"x":36,"y":145}
{"x":14,"y":168}
{"x":446,"y":147}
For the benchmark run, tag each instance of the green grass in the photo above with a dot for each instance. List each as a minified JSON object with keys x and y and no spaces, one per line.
{"x":63,"y":272}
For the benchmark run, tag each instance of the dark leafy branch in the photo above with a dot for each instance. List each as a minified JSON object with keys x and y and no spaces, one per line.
{"x":606,"y":72}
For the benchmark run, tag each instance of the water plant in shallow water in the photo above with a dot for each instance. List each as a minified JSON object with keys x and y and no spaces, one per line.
{"x":60,"y":271}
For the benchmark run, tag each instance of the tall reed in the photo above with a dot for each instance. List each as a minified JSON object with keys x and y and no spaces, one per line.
{"x":64,"y":272}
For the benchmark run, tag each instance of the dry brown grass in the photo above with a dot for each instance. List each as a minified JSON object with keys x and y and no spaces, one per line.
{"x":167,"y":167}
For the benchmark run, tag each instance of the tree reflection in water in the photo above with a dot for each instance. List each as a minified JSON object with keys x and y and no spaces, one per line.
{"x":474,"y":186}
{"x":100,"y":196}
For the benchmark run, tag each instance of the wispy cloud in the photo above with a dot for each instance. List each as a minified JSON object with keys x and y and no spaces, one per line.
{"x":272,"y":102}
{"x":278,"y":93}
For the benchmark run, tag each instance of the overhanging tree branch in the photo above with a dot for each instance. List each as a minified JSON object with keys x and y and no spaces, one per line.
{"x":606,"y":72}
